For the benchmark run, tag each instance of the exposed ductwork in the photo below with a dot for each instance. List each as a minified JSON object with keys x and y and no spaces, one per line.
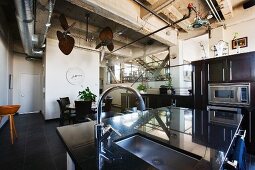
{"x":32,"y":43}
{"x":213,"y":10}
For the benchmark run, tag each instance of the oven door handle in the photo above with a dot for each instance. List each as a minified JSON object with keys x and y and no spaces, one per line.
{"x":210,"y":108}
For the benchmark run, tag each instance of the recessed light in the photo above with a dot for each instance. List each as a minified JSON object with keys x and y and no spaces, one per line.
{"x":48,"y":24}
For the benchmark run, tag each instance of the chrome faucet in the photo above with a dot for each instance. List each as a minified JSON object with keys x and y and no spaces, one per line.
{"x":103,"y":133}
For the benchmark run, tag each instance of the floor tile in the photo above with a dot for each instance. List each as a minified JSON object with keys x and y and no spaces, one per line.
{"x":37,"y":147}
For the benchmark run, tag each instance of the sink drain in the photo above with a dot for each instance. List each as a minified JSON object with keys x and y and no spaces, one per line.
{"x":156,"y":162}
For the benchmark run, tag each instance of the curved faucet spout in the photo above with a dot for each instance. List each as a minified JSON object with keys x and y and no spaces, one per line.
{"x":107,"y":91}
{"x":99,"y":126}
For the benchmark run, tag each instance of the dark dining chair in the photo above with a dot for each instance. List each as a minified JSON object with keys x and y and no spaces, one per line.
{"x":65,"y":114}
{"x":66,"y":101}
{"x":108,"y":104}
{"x":83,"y":111}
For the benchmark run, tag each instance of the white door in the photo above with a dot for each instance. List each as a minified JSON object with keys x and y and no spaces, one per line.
{"x":30,"y":87}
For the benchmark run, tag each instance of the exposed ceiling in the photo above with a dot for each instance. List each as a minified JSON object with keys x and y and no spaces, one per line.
{"x":229,"y":12}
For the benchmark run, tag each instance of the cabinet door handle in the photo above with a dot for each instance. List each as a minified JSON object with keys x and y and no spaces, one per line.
{"x":201,"y":82}
{"x":250,"y":127}
{"x":208,"y":74}
{"x":224,"y":132}
{"x":223,"y":74}
{"x":194,"y":82}
{"x":230,"y":70}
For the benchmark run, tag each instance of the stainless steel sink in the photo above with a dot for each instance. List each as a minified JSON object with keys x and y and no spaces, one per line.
{"x":157,"y":155}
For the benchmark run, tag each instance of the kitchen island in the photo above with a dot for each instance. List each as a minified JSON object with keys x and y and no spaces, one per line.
{"x":193,"y":134}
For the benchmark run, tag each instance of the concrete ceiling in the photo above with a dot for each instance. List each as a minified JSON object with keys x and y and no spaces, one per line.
{"x":129,"y":21}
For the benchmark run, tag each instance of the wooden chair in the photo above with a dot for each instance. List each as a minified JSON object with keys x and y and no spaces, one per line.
{"x":83,"y":111}
{"x":65,"y":114}
{"x":10,"y":110}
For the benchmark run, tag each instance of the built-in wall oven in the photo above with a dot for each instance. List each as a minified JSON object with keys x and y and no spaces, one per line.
{"x":231,"y":94}
{"x":224,"y":115}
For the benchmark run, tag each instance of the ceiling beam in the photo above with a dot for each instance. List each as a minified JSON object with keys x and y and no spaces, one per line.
{"x":80,"y":28}
{"x":226,"y":8}
{"x":173,"y":14}
{"x":156,"y":7}
{"x":152,"y":2}
{"x":127,"y":18}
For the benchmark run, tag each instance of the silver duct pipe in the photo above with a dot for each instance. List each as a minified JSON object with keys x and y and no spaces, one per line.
{"x":213,"y":10}
{"x":47,"y":25}
{"x":25,"y":19}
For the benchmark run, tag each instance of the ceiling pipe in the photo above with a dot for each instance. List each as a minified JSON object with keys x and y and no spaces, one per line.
{"x":215,"y":10}
{"x":190,"y":8}
{"x":25,"y":18}
{"x":151,"y":11}
{"x":47,"y":25}
{"x":212,"y":11}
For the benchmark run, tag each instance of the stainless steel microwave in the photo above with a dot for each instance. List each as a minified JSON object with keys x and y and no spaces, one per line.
{"x":237,"y":94}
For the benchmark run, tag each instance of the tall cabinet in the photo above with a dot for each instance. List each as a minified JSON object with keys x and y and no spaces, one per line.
{"x":228,"y":69}
{"x":199,"y":86}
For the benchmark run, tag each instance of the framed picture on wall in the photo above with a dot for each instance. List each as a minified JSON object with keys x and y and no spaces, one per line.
{"x":241,"y":42}
{"x":186,"y":75}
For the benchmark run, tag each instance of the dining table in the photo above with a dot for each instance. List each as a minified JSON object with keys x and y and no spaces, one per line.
{"x":104,"y":115}
{"x":71,"y":106}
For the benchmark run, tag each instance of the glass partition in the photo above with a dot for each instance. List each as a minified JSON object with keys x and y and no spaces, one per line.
{"x":177,"y":77}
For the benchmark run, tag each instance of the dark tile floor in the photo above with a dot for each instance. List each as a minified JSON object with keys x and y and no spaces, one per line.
{"x":37,"y":147}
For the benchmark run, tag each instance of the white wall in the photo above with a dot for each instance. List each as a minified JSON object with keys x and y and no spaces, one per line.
{"x":245,"y":29}
{"x":56,"y":85}
{"x":5,"y":65}
{"x":191,"y":49}
{"x":23,"y":66}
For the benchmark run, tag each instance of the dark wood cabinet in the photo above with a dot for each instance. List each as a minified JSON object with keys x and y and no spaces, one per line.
{"x":229,"y":69}
{"x":248,"y":124}
{"x":183,"y":101}
{"x":153,"y":101}
{"x":220,"y":136}
{"x":234,"y":68}
{"x":200,"y":127}
{"x":199,"y":85}
{"x":217,"y":70}
{"x":240,"y":68}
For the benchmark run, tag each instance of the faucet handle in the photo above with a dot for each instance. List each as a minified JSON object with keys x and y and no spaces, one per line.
{"x":110,"y":129}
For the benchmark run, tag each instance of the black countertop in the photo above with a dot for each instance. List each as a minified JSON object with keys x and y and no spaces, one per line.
{"x":192,"y":132}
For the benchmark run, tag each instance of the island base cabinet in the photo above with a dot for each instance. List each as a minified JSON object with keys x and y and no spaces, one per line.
{"x":249,"y":125}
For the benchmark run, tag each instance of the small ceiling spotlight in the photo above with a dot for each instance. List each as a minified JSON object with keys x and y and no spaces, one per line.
{"x":48,"y":24}
{"x":209,"y":15}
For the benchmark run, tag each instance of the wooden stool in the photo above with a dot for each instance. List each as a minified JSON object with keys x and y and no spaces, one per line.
{"x":10,"y":110}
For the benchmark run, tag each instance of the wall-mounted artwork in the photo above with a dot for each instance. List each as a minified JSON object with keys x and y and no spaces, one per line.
{"x":220,"y":49}
{"x":187,"y":70}
{"x":241,"y":42}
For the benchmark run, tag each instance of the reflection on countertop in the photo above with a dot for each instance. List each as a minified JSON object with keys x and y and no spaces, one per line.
{"x":186,"y":130}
